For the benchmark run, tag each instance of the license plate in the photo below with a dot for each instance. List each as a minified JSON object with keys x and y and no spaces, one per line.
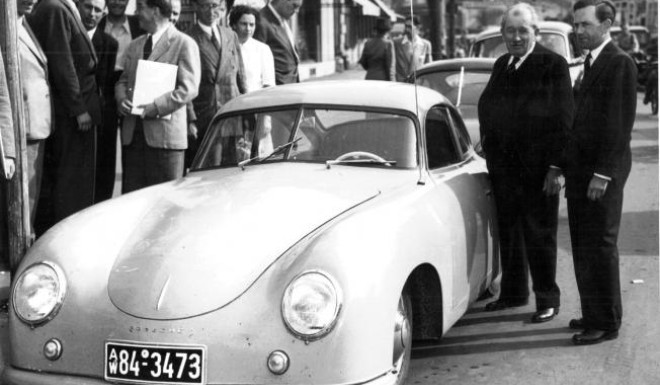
{"x":143,"y":363}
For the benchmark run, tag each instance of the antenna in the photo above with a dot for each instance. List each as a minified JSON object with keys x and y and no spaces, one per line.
{"x":414,"y":59}
{"x":461,"y":78}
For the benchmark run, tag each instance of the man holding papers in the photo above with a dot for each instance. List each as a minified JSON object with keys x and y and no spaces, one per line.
{"x":154,"y":131}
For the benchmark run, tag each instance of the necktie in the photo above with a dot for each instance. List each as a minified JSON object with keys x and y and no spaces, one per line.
{"x":512,"y":67}
{"x":148,"y":45}
{"x":587,"y":63}
{"x":215,"y":40}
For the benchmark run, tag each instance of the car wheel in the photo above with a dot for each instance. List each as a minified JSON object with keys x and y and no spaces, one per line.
{"x":402,"y":338}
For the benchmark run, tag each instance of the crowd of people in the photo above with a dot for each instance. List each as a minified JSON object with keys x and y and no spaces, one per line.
{"x":79,"y":68}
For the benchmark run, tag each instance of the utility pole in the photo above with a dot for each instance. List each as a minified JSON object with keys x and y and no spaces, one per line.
{"x":16,"y":199}
{"x":451,"y":28}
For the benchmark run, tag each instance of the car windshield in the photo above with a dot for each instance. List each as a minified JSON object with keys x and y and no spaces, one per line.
{"x":447,"y":83}
{"x":494,"y":47}
{"x":319,"y":135}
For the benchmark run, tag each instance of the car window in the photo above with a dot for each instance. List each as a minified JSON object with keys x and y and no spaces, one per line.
{"x":440,"y":146}
{"x":321,"y":134}
{"x":464,"y":141}
{"x":447,"y":83}
{"x":554,"y":42}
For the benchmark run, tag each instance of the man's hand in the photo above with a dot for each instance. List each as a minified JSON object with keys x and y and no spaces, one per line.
{"x":150,"y":110}
{"x":84,"y":121}
{"x":597,"y":188}
{"x":125,"y":107}
{"x":11,"y":168}
{"x":192,"y":130}
{"x":553,"y":182}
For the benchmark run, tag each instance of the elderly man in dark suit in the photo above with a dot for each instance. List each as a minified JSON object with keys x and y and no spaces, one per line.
{"x":105,"y":47}
{"x":223,"y":72}
{"x":154,"y":142}
{"x":273,"y":29}
{"x":598,"y":164}
{"x":72,"y":66}
{"x":525,"y":112}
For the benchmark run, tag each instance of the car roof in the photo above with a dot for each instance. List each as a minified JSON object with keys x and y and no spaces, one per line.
{"x":469,"y":63}
{"x":544,"y":26}
{"x":359,"y":93}
{"x":631,"y":28}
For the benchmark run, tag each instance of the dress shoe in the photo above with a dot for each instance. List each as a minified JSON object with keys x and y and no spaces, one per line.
{"x":501,"y":304}
{"x":576,"y":323}
{"x":594,"y":336}
{"x":545,"y":315}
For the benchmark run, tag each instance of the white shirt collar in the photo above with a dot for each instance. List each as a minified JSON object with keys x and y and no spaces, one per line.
{"x":156,"y":36}
{"x":524,"y":57}
{"x":596,"y":51}
{"x":91,"y":32}
{"x":208,"y":29}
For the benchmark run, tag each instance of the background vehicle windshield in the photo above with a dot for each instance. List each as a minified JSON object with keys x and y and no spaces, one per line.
{"x":324,"y":134}
{"x":494,"y":47}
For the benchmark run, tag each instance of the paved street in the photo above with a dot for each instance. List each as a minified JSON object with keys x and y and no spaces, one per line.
{"x":504,"y":348}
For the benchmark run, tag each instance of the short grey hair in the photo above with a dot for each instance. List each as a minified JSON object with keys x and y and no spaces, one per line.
{"x":523,"y":8}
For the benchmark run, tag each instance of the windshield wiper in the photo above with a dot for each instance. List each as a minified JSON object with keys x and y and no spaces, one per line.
{"x":276,"y":151}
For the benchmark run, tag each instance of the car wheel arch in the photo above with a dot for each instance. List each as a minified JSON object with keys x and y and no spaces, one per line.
{"x":425,"y":290}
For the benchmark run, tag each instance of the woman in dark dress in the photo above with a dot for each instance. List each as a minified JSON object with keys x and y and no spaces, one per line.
{"x":378,"y":54}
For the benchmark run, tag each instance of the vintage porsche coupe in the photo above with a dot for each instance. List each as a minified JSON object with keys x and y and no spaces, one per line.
{"x":322,"y":228}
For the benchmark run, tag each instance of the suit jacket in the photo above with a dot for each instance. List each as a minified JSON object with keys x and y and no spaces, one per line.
{"x":271,"y":32}
{"x":6,"y":119}
{"x":133,"y":25}
{"x":71,"y":58}
{"x":36,"y":88}
{"x":410,"y":55}
{"x":524,"y":117}
{"x":223,"y":72}
{"x":605,"y":113}
{"x":176,"y":48}
{"x":105,"y":47}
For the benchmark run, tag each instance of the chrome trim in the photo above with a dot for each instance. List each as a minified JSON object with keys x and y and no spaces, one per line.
{"x":61,"y":277}
{"x":328,"y":328}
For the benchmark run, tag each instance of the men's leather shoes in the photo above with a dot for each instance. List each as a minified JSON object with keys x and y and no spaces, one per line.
{"x":545,"y":315}
{"x":594,"y":336}
{"x":501,"y":304}
{"x":576,"y":323}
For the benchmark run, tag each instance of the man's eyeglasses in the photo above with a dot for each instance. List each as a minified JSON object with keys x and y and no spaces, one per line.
{"x":210,"y":6}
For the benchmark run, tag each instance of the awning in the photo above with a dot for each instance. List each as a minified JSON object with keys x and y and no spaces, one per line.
{"x":368,"y":8}
{"x":388,"y":11}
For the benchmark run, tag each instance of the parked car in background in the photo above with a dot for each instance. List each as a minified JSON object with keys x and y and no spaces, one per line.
{"x":556,"y":36}
{"x":444,"y":76}
{"x":641,"y":33}
{"x":322,"y":228}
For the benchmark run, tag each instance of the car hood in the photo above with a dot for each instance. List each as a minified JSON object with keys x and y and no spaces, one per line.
{"x":205,"y":240}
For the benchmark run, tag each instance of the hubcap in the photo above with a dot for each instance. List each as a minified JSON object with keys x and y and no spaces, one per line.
{"x":401,"y":334}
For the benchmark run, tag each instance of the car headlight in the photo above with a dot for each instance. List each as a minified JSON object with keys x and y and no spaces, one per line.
{"x":311,"y":304}
{"x":39,"y":292}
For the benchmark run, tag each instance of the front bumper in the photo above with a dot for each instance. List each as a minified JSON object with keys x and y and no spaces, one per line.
{"x":13,"y":376}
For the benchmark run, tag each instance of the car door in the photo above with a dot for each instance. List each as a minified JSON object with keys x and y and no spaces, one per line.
{"x":460,"y":176}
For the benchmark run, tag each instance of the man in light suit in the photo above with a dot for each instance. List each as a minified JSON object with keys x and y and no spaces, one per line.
{"x":274,"y":30}
{"x":105,"y":47}
{"x":37,"y":101}
{"x":223,"y":73}
{"x":6,"y":127}
{"x":154,"y":143}
{"x":70,"y":150}
{"x":525,"y":113}
{"x":411,"y":50}
{"x":598,"y":164}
